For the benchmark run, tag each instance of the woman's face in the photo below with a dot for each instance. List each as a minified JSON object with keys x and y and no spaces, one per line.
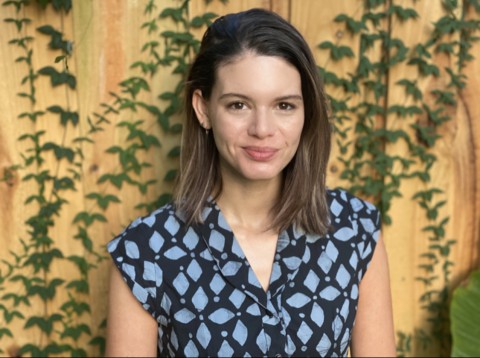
{"x":256,"y":114}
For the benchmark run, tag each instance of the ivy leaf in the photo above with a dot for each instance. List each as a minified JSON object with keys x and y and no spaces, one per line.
{"x":401,"y":51}
{"x":449,"y":5}
{"x":151,"y":26}
{"x":79,"y":308}
{"x":353,"y":26}
{"x":205,"y":19}
{"x":58,"y":78}
{"x":404,"y":111}
{"x":83,"y":236}
{"x":65,"y":116}
{"x":81,"y":263}
{"x":456,"y":80}
{"x":176,"y":128}
{"x":329,"y":77}
{"x":378,"y":88}
{"x":17,"y":299}
{"x":116,"y":179}
{"x":445,"y":47}
{"x":54,"y":348}
{"x":64,"y":183}
{"x":89,"y":218}
{"x":31,"y":115}
{"x":5,"y":332}
{"x":57,"y":4}
{"x":171,"y":175}
{"x":425,"y":135}
{"x":375,"y":18}
{"x":411,"y":88}
{"x":338,"y":105}
{"x":59,"y":151}
{"x":75,"y":332}
{"x":10,"y":315}
{"x":134,"y":85}
{"x":435,"y":116}
{"x":402,"y":13}
{"x":367,"y":41}
{"x":445,"y":97}
{"x":56,"y":39}
{"x":18,"y":4}
{"x":80,"y":286}
{"x":42,"y":261}
{"x":174,"y":152}
{"x":98,"y":341}
{"x":46,"y":292}
{"x":337,"y":52}
{"x":445,"y":25}
{"x":103,"y":200}
{"x":424,"y":68}
{"x":372,"y":4}
{"x":173,"y":13}
{"x":422,"y":51}
{"x":18,"y":22}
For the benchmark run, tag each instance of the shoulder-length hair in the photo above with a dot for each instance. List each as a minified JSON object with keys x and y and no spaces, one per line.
{"x":303,"y":199}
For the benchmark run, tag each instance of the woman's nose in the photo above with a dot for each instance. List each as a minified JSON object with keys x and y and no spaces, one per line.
{"x":262,"y":124}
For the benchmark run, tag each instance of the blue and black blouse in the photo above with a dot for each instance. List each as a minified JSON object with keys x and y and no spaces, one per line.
{"x":198,"y":285}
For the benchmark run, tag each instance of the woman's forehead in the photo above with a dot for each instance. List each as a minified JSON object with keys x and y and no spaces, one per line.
{"x":259,"y":74}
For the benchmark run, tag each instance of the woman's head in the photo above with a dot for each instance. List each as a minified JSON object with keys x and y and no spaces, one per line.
{"x":261,"y":33}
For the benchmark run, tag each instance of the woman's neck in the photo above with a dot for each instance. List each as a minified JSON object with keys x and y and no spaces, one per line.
{"x":249,"y":204}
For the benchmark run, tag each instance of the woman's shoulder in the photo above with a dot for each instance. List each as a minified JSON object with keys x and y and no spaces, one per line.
{"x":355,"y":226}
{"x":351,"y":216}
{"x":164,"y":221}
{"x":342,"y":203}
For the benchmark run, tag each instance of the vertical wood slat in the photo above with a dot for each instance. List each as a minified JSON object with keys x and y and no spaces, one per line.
{"x":107,"y":40}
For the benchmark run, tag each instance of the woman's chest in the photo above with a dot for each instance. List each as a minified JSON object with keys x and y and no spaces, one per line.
{"x":217,"y":308}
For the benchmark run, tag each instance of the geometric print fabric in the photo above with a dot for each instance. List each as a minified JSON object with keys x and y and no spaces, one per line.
{"x":198,"y":285}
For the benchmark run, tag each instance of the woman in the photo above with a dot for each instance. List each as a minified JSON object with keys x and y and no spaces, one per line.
{"x":255,"y":257}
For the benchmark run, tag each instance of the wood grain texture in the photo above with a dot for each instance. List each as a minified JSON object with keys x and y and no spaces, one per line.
{"x":107,"y":39}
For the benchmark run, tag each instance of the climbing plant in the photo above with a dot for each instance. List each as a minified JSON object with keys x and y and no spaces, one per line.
{"x":365,"y":111}
{"x":54,"y":167}
{"x":365,"y":118}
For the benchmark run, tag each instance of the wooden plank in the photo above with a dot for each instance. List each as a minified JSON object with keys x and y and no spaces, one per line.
{"x":314,"y":19}
{"x":101,"y":68}
{"x":404,"y":239}
{"x":455,"y":172}
{"x":281,"y":7}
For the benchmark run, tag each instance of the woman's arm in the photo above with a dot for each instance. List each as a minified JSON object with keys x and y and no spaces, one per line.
{"x":131,"y":330}
{"x":373,"y":334}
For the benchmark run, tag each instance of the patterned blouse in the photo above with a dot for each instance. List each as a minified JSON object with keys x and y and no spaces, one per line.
{"x":198,"y":285}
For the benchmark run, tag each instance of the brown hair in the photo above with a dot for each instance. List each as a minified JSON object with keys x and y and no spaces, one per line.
{"x":303,"y":200}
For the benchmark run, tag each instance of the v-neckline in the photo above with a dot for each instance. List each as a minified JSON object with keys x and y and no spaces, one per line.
{"x":233,"y":263}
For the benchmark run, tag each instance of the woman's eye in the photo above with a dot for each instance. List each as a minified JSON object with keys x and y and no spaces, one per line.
{"x":284,"y":106}
{"x":237,"y":106}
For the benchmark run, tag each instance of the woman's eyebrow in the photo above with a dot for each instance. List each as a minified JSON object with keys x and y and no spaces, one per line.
{"x":232,"y":94}
{"x":291,"y":97}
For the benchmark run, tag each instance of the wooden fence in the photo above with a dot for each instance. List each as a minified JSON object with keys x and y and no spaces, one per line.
{"x":106,"y":40}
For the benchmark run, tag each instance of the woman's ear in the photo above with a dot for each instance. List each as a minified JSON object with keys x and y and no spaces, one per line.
{"x":199,"y":105}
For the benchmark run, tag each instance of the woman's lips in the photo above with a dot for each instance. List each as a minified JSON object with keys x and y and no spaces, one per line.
{"x":260,"y":154}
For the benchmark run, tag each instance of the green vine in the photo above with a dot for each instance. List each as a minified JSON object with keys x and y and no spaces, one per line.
{"x":52,"y":168}
{"x":61,"y":328}
{"x":369,"y":170}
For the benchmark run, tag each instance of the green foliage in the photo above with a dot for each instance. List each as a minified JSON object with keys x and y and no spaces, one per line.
{"x":62,"y":328}
{"x":367,"y":121}
{"x":465,"y":315}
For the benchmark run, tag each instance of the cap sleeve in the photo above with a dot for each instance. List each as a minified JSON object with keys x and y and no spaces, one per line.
{"x":134,"y":258}
{"x":369,"y":228}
